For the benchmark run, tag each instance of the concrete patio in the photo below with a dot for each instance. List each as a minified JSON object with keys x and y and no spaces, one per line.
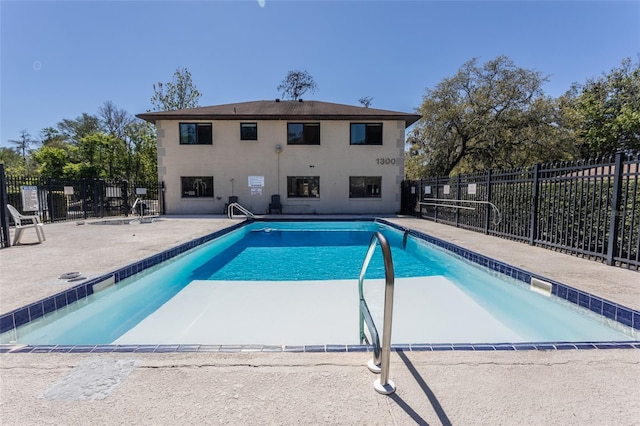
{"x":252,"y":387}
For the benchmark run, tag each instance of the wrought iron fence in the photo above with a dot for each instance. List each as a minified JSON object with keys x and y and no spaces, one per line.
{"x":4,"y":214}
{"x":588,"y":208}
{"x":64,"y":200}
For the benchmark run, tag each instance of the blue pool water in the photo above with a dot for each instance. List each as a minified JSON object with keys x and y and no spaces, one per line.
{"x":308,"y":252}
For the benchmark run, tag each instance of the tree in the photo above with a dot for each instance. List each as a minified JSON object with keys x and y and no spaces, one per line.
{"x":296,"y":84}
{"x":50,"y":136}
{"x":13,"y":162}
{"x":102,"y":156}
{"x":604,"y":113}
{"x":178,"y":94}
{"x":74,"y":130}
{"x":114,"y":120}
{"x":142,"y":162}
{"x":366,"y":101}
{"x":51,"y":161}
{"x":489,"y":116}
{"x":23,"y":144}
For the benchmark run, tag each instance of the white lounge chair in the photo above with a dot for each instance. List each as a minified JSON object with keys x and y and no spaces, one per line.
{"x":23,"y":222}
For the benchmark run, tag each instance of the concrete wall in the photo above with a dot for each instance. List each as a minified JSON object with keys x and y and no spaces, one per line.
{"x":231,"y":161}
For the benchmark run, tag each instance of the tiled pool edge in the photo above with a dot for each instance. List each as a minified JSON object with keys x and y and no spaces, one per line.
{"x":21,"y":316}
{"x":613,"y":311}
{"x":418,"y":347}
{"x":35,"y":310}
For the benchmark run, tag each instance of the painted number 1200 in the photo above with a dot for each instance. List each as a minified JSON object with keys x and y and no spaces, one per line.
{"x":386,"y":161}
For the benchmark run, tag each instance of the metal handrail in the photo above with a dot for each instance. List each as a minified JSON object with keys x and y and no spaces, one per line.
{"x":242,"y":210}
{"x":135,"y":205}
{"x":381,"y":355}
{"x":493,"y":206}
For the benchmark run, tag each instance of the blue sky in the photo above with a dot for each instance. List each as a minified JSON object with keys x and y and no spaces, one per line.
{"x":60,"y":59}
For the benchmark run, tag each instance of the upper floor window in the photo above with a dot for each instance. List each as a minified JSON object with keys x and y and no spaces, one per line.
{"x":366,"y":133}
{"x":248,"y":131}
{"x":196,"y":134}
{"x":365,"y":186}
{"x":303,"y":186}
{"x":303,"y":133}
{"x":197,"y":186}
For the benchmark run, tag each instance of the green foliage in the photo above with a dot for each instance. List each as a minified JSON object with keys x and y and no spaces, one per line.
{"x":13,"y":162}
{"x":51,"y":161}
{"x":142,"y":163}
{"x":50,"y":136}
{"x":126,"y":150}
{"x":296,"y":84}
{"x":489,"y":116}
{"x":72,"y":131}
{"x":180,"y":93}
{"x":604,"y":113}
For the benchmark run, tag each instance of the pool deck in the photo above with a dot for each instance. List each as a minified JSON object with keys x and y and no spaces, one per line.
{"x":252,"y":387}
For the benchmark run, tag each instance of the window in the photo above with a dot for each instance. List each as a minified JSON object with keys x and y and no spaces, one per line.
{"x":248,"y":131}
{"x":303,"y":133}
{"x":196,"y":134}
{"x":364,"y":186}
{"x":366,"y":133}
{"x":197,"y":186}
{"x":303,"y":186}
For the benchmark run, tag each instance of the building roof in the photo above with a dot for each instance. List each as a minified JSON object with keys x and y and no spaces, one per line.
{"x":281,"y":110}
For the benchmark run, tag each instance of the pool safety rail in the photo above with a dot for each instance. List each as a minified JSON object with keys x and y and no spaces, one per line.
{"x":138,"y":207}
{"x":236,"y":206}
{"x":380,"y":361}
{"x":439,"y":202}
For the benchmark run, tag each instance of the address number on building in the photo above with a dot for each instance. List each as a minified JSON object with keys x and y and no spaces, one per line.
{"x":386,"y":160}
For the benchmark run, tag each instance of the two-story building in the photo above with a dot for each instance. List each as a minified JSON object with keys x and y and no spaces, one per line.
{"x":320,"y":157}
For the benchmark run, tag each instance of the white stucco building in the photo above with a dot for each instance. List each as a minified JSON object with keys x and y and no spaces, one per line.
{"x":320,"y":157}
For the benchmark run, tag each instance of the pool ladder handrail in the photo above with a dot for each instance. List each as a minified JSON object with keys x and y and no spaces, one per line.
{"x":381,"y":355}
{"x":241,"y":209}
{"x":445,"y":202}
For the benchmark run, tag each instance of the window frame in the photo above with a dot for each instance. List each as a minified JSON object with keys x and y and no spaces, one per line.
{"x":195,"y":196}
{"x":308,"y":180}
{"x":309,"y":125}
{"x":242,"y":134}
{"x":366,"y":133}
{"x":366,"y":194}
{"x":197,"y":133}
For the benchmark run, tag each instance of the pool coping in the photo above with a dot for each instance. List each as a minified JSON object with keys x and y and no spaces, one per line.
{"x":38,"y":309}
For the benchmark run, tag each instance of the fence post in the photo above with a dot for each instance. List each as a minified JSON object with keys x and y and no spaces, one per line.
{"x":83,"y":195}
{"x":420,"y":198}
{"x":435,"y":209}
{"x":98,"y":204}
{"x":458,"y":198}
{"x":5,"y":240}
{"x":50,"y":205}
{"x":487,"y":208}
{"x":614,"y":225}
{"x":161,"y":198}
{"x":125,"y":197}
{"x":533,"y":227}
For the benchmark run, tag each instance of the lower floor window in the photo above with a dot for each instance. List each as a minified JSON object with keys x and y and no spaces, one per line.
{"x":303,"y":186}
{"x":364,"y":186}
{"x":197,"y":186}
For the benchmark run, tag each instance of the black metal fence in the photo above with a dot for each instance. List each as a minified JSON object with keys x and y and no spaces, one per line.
{"x":64,"y":200}
{"x":588,"y":208}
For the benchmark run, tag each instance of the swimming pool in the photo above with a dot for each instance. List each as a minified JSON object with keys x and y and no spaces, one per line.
{"x":266,"y":278}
